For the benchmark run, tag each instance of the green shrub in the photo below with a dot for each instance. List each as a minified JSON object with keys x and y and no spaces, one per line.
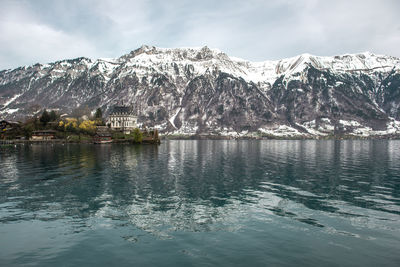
{"x":118,"y":135}
{"x":73,"y":138}
{"x":137,"y":136}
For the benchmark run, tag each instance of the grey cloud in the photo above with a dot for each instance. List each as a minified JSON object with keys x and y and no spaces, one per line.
{"x":42,"y":30}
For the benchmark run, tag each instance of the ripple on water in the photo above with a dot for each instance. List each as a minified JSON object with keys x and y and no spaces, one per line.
{"x":259,"y":199}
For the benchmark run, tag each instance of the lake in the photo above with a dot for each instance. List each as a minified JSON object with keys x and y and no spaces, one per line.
{"x":201,"y":203}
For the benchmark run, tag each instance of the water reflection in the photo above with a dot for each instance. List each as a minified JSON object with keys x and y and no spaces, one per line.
{"x":203,"y":185}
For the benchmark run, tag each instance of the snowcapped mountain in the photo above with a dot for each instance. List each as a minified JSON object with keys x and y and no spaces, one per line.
{"x":204,"y":91}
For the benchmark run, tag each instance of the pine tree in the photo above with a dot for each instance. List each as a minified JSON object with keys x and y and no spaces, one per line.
{"x":45,"y":117}
{"x":98,"y":114}
{"x":53,"y":115}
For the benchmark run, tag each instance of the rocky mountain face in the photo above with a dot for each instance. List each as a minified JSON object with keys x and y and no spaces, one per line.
{"x":204,"y":91}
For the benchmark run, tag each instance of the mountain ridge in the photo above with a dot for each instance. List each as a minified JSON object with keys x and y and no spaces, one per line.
{"x":204,"y":91}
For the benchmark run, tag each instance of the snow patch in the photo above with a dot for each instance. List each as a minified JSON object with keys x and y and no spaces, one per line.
{"x":172,"y":119}
{"x":350,"y":123}
{"x":281,"y":131}
{"x":9,"y":110}
{"x":11,"y":100}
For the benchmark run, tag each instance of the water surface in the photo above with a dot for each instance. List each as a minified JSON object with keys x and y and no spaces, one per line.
{"x":201,"y":203}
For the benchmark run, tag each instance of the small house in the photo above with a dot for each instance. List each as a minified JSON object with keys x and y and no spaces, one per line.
{"x":102,"y":135}
{"x":8,"y":125}
{"x":42,"y":135}
{"x":151,"y":136}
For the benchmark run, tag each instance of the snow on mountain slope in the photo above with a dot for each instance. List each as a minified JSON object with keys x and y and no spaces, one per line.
{"x":204,"y":91}
{"x":271,"y":70}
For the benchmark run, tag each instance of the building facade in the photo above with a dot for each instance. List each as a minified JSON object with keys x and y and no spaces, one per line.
{"x":122,"y":118}
{"x":43,"y":135}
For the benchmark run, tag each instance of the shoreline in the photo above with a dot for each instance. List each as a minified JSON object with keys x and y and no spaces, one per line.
{"x":64,"y":141}
{"x":199,"y":137}
{"x":330,"y":137}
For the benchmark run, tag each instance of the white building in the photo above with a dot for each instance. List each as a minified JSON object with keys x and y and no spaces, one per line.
{"x":122,"y":119}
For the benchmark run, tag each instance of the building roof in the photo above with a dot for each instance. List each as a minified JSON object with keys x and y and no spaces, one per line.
{"x":122,"y":110}
{"x":101,"y":134}
{"x":10,"y":122}
{"x":40,"y":132}
{"x":103,"y":131}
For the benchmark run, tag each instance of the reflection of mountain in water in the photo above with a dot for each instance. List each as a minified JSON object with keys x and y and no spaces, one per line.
{"x":202,"y":185}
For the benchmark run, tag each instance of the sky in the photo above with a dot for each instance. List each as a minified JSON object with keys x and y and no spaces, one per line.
{"x":33,"y":31}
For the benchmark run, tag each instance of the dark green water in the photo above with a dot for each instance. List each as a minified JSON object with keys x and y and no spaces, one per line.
{"x":201,"y":203}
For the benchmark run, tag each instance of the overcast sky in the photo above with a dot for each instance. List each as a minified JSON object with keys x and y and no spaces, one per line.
{"x":43,"y":31}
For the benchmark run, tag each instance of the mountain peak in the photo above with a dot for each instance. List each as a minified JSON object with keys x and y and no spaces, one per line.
{"x":176,"y":54}
{"x":146,"y":48}
{"x":202,"y":90}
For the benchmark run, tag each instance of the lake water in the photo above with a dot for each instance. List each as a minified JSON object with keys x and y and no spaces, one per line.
{"x":201,"y":203}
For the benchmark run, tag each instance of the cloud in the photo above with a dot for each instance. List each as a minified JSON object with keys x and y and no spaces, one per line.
{"x":25,"y":40}
{"x":43,"y":31}
{"x":39,"y":43}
